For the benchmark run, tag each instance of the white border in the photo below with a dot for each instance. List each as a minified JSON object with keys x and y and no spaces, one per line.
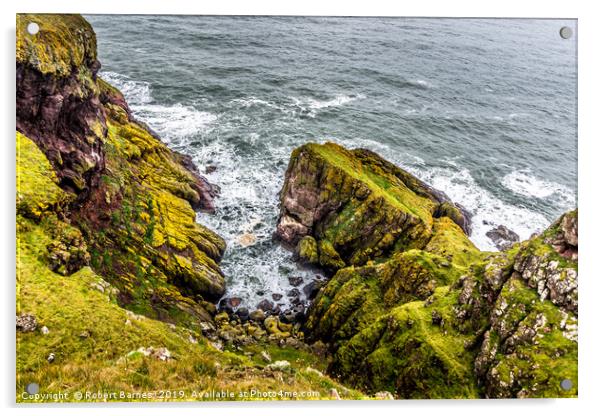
{"x":590,"y":128}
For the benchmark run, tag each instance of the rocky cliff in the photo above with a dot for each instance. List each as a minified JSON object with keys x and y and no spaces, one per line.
{"x":413,"y":307}
{"x":116,"y":281}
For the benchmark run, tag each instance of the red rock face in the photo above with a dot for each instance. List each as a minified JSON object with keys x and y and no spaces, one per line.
{"x":67,"y":121}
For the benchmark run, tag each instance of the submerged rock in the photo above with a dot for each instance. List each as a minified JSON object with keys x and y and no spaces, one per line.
{"x":502,"y":237}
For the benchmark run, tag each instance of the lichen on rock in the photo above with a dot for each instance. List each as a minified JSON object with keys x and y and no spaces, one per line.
{"x":413,"y":307}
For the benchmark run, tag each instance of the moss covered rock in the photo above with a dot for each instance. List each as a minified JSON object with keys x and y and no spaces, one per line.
{"x":358,"y":206}
{"x":414,"y":308}
{"x":83,"y":156}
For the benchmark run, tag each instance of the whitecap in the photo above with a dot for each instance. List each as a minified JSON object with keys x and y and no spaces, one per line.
{"x":311,"y":106}
{"x":487,"y":210}
{"x":523,"y":182}
{"x":174,"y":123}
{"x":135,"y":92}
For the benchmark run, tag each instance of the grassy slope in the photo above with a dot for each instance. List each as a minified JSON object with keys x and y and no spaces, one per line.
{"x":91,"y":336}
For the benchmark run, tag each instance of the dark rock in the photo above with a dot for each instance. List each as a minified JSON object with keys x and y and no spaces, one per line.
{"x":266,"y":305}
{"x":26,"y":322}
{"x":293,"y":293}
{"x":312,"y":288}
{"x":288,"y":316}
{"x":243,"y":314}
{"x":436,"y":318}
{"x":502,"y":237}
{"x":295,"y":280}
{"x":276,"y":296}
{"x":210,"y":169}
{"x":229,"y":304}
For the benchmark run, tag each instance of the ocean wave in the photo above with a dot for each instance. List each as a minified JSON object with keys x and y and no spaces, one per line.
{"x":174,"y":123}
{"x":135,"y":92}
{"x":524,"y":183}
{"x":311,"y":106}
{"x":246,"y":213}
{"x":488,"y":210}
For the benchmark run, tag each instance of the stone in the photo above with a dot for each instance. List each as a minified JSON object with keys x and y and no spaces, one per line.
{"x":334,"y":394}
{"x":312,"y":288}
{"x":266,"y":305}
{"x":276,"y":296}
{"x":51,"y":357}
{"x":293,"y":293}
{"x":280,"y":365}
{"x":502,"y":237}
{"x":266,"y":356}
{"x":257,"y":315}
{"x":384,"y":395}
{"x":247,"y":239}
{"x":229,"y":304}
{"x":243,"y":314}
{"x":26,"y":322}
{"x":295,"y":280}
{"x":44,"y":330}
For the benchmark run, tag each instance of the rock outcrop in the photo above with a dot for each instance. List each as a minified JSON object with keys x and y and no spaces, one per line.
{"x":88,"y":164}
{"x":413,"y":307}
{"x":357,"y":206}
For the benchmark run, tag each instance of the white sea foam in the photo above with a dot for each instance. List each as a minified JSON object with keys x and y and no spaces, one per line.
{"x":174,"y":123}
{"x":135,"y":92}
{"x":248,"y":205}
{"x":488,"y":210}
{"x":523,"y":182}
{"x":311,"y":106}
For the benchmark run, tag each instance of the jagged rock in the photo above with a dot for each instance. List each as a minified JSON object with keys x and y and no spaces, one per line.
{"x":425,"y":294}
{"x":564,"y":236}
{"x":295,"y":280}
{"x":26,"y":322}
{"x":307,"y":250}
{"x":67,"y":118}
{"x":311,"y":289}
{"x":266,"y":305}
{"x":502,"y":237}
{"x":353,"y":204}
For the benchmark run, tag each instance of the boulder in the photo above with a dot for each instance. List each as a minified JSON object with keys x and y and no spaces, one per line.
{"x":26,"y":322}
{"x":502,"y":237}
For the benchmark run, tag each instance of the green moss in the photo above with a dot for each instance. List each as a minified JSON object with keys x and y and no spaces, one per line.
{"x":328,"y":256}
{"x":307,"y":250}
{"x":378,"y":179}
{"x":37,"y":184}
{"x":64,"y":42}
{"x":405,"y":353}
{"x":449,"y":241}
